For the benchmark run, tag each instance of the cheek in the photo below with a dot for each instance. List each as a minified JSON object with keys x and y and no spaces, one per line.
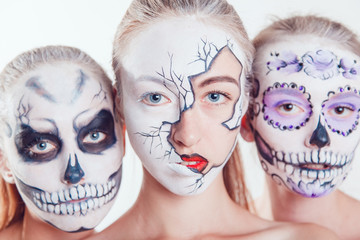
{"x":347,"y":144}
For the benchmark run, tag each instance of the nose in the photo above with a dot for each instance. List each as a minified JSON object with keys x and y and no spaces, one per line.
{"x":320,"y":137}
{"x":73,"y":172}
{"x":186,"y":132}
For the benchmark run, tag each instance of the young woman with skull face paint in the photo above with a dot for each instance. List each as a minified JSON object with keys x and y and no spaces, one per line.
{"x":181,"y":71}
{"x":62,"y":145}
{"x":304,"y":117}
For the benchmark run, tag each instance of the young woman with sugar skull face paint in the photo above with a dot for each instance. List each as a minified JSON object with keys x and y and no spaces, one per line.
{"x":181,"y":71}
{"x":62,"y":145}
{"x":304,"y":119}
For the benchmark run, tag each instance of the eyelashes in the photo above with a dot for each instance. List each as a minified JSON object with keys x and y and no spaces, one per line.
{"x":154,"y":99}
{"x":37,"y":147}
{"x":214,"y":97}
{"x":93,"y":138}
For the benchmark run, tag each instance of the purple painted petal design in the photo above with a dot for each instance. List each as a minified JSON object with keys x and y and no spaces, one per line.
{"x":312,"y":189}
{"x":285,"y":62}
{"x":320,"y":64}
{"x":351,"y":70}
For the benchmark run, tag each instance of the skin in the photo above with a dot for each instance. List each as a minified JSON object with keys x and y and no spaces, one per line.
{"x":183,"y":155}
{"x":163,"y":210}
{"x":67,"y":167}
{"x":323,"y":115}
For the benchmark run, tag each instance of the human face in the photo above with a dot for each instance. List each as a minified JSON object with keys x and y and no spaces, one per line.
{"x":183,"y":101}
{"x":63,"y":146}
{"x":306,"y":113}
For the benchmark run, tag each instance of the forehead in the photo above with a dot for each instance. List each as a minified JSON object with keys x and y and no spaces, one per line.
{"x":59,"y":85}
{"x":183,"y":40}
{"x":305,"y":48}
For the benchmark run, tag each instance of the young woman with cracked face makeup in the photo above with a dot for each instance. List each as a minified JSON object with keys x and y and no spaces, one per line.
{"x":62,"y":145}
{"x":304,"y":119}
{"x":181,"y":70}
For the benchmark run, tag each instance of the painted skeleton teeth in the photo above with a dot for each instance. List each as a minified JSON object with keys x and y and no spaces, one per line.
{"x":307,"y":157}
{"x":67,"y":195}
{"x":281,"y":165}
{"x":287,"y":158}
{"x":93,"y":191}
{"x":312,"y":174}
{"x":47,"y":196}
{"x":333,"y":159}
{"x":77,"y":200}
{"x":81,"y":191}
{"x":61,"y":196}
{"x":321,"y":174}
{"x":314,"y":157}
{"x":289,"y":169}
{"x":54,"y":197}
{"x":322,"y":157}
{"x":87,"y":190}
{"x":73,"y":194}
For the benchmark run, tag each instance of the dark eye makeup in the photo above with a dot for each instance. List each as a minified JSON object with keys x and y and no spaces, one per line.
{"x":35,"y":146}
{"x":98,"y":135}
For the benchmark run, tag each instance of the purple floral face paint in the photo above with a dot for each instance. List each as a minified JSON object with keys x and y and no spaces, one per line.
{"x":341,"y":110}
{"x":321,"y":64}
{"x":286,"y":107}
{"x":306,"y":114}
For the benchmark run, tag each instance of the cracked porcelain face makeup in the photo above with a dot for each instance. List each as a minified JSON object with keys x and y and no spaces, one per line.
{"x":306,"y":113}
{"x":65,"y":147}
{"x":183,"y":101}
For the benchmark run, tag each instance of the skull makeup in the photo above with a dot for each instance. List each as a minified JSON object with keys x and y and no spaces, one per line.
{"x":183,"y":101}
{"x":305,"y":114}
{"x":64,"y":149}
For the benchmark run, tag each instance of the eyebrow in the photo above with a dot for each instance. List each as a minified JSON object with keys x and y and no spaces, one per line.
{"x":34,"y":84}
{"x":51,"y":127}
{"x":219,"y":79}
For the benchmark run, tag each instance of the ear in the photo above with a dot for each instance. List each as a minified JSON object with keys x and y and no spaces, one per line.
{"x":6,"y":173}
{"x":246,"y":129}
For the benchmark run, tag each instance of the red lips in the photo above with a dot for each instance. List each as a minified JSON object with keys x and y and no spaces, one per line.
{"x":194,"y":162}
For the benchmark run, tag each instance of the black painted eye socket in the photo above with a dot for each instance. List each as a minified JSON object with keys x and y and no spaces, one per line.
{"x":98,"y":135}
{"x":35,"y":146}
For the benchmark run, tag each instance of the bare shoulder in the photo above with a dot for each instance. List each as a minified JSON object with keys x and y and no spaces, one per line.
{"x":312,"y":231}
{"x":11,"y":232}
{"x":283,"y":231}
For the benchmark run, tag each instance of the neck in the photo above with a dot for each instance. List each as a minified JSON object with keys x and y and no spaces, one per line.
{"x":328,"y":211}
{"x":36,"y":229}
{"x":161,"y":213}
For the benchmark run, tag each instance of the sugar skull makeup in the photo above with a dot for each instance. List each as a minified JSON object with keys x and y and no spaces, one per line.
{"x":183,"y":101}
{"x":305,"y":115}
{"x":64,"y":148}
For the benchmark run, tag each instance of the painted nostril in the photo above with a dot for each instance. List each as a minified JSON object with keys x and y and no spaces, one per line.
{"x":320,"y":137}
{"x":74,"y":172}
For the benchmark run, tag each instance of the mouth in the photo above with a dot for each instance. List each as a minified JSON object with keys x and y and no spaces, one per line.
{"x":76,"y":200}
{"x":313,"y":164}
{"x":194,"y":162}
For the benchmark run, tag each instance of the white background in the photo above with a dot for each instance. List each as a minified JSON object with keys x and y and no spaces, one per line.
{"x":90,"y":25}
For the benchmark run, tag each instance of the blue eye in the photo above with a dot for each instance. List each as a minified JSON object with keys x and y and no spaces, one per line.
{"x":41,"y":146}
{"x":94,"y":137}
{"x":214,"y":97}
{"x":154,"y":99}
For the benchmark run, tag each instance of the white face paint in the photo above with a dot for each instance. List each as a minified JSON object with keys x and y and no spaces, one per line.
{"x":66,"y":149}
{"x":183,"y":101}
{"x":306,"y":113}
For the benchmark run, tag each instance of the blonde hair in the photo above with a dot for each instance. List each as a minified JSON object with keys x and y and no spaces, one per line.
{"x":219,"y":13}
{"x":11,"y":205}
{"x":301,"y":25}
